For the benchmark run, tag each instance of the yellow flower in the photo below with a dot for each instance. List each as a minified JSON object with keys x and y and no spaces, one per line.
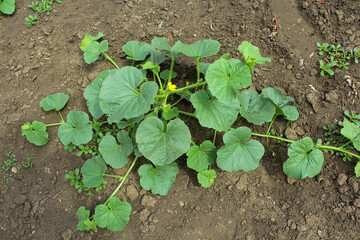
{"x":171,"y":86}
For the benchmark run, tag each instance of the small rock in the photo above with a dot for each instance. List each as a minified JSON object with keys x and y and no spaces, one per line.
{"x":313,"y":72}
{"x":341,"y":180}
{"x":313,"y":99}
{"x":20,"y":199}
{"x":148,"y":201}
{"x":305,"y":5}
{"x":250,"y":237}
{"x":67,"y":235}
{"x":321,"y":233}
{"x":349,"y":32}
{"x":190,"y":3}
{"x":293,"y":226}
{"x":357,"y":202}
{"x":289,"y":66}
{"x":337,"y":210}
{"x":332,"y":97}
{"x":291,"y":180}
{"x":348,"y":209}
{"x":354,"y":185}
{"x":131,"y":192}
{"x":143,"y":215}
{"x":26,"y":211}
{"x":181,"y":204}
{"x":340,"y":14}
{"x":281,"y":60}
{"x":291,"y":134}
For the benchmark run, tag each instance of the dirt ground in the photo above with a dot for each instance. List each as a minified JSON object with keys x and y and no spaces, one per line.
{"x":263,"y":204}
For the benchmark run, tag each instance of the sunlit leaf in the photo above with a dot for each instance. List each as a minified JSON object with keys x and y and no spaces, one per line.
{"x":199,"y":49}
{"x":206,"y":178}
{"x":54,"y":102}
{"x":93,"y":171}
{"x":137,"y":51}
{"x":35,"y":133}
{"x":199,"y":157}
{"x":252,"y":55}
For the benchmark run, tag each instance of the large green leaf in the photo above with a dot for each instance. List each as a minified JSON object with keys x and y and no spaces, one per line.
{"x":252,"y":55}
{"x":255,"y":108}
{"x":93,"y":171}
{"x":35,"y":133}
{"x":76,"y":130}
{"x":352,"y":132}
{"x":212,"y":113}
{"x":162,"y":144}
{"x":162,"y":44}
{"x":7,"y":6}
{"x":206,"y":178}
{"x":137,"y":51}
{"x":93,"y":50}
{"x":92,"y":92}
{"x":158,"y":179}
{"x":199,"y":49}
{"x":304,"y":159}
{"x":120,"y":98}
{"x":199,"y":158}
{"x":89,"y":39}
{"x":113,"y":216}
{"x":156,"y":57}
{"x":114,"y":154}
{"x":239,"y":151}
{"x":84,"y":223}
{"x":225,"y":77}
{"x":54,"y":102}
{"x":282,"y":103}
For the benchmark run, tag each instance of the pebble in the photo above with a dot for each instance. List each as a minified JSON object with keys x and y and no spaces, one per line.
{"x":291,"y":180}
{"x":354,"y":185}
{"x":143,"y":215}
{"x":341,"y":180}
{"x":181,"y":204}
{"x":357,"y":202}
{"x":313,"y":72}
{"x":148,"y":201}
{"x":26,"y":211}
{"x":131,"y":192}
{"x":67,"y":235}
{"x":291,"y":134}
{"x":281,"y":60}
{"x":289,"y":66}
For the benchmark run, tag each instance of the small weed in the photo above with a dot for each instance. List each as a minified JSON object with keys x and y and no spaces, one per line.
{"x":44,"y":6}
{"x":76,"y":181}
{"x":53,"y":181}
{"x":10,"y":167}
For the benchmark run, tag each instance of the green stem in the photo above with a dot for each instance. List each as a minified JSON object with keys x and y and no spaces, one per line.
{"x":346,"y":144}
{"x":171,"y":69}
{"x":274,"y":137}
{"x":62,"y":119}
{"x":122,"y":181}
{"x":54,"y":124}
{"x":198,"y":69}
{"x":187,"y":113}
{"x":109,"y":58}
{"x":113,"y":176}
{"x":182,"y":89}
{"x":192,"y":143}
{"x":272,"y":121}
{"x":176,"y":102}
{"x":158,"y":77}
{"x":214,"y":137}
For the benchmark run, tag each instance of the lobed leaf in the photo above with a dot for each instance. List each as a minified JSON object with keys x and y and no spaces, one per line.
{"x":84,"y":223}
{"x":166,"y":74}
{"x":169,"y":113}
{"x":352,"y":132}
{"x":7,"y":6}
{"x":199,"y":49}
{"x":239,"y":151}
{"x":200,"y":157}
{"x":252,"y":55}
{"x":76,"y":130}
{"x":156,"y":57}
{"x":225,"y":77}
{"x":162,"y":44}
{"x":93,"y":50}
{"x":304,"y":159}
{"x":212,"y":113}
{"x":89,"y":39}
{"x":35,"y":133}
{"x":206,"y":178}
{"x":162,"y":144}
{"x":357,"y":169}
{"x":158,"y":179}
{"x":113,"y":216}
{"x":54,"y":102}
{"x":120,"y":98}
{"x":137,"y":51}
{"x":93,"y":171}
{"x":114,"y":154}
{"x":255,"y":108}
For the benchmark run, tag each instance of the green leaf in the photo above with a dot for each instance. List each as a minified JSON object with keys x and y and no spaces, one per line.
{"x":137,"y":51}
{"x":93,"y":171}
{"x":54,"y":102}
{"x":35,"y":133}
{"x":199,"y":158}
{"x":149,"y":65}
{"x":212,"y":113}
{"x":255,"y":108}
{"x":239,"y":151}
{"x":158,"y":179}
{"x":352,"y":132}
{"x":304,"y":159}
{"x":203,"y":67}
{"x":282,"y":103}
{"x":206,"y":178}
{"x":76,"y":130}
{"x":7,"y":6}
{"x":166,"y":74}
{"x":92,"y":92}
{"x":156,"y":57}
{"x":162,"y":44}
{"x":113,"y":216}
{"x":252,"y":55}
{"x":357,"y":170}
{"x":225,"y":77}
{"x":169,"y":113}
{"x":131,"y":121}
{"x":199,"y":49}
{"x":114,"y":154}
{"x":93,"y":50}
{"x":89,"y":39}
{"x":120,"y":98}
{"x":162,"y":144}
{"x":84,"y":223}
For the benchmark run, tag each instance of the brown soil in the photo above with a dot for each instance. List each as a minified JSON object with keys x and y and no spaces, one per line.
{"x":263,"y":204}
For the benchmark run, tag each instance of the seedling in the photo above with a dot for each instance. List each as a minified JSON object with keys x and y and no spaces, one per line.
{"x":44,"y":6}
{"x":10,"y":166}
{"x":7,"y":7}
{"x":138,"y":104}
{"x":326,"y":68}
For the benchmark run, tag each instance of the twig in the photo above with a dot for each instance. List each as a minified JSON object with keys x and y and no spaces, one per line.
{"x":2,"y":45}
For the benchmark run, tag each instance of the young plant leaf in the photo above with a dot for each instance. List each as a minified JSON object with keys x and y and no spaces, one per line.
{"x":54,"y":102}
{"x":120,"y":98}
{"x":252,"y":55}
{"x":203,"y":67}
{"x":199,"y":158}
{"x":158,"y":179}
{"x":199,"y":49}
{"x":156,"y":57}
{"x":113,"y":216}
{"x":304,"y":159}
{"x":89,"y":39}
{"x":76,"y":130}
{"x":35,"y":133}
{"x":93,"y":171}
{"x":169,"y":113}
{"x":131,"y":121}
{"x":357,"y":169}
{"x":239,"y":151}
{"x":162,"y":144}
{"x":255,"y":108}
{"x":137,"y":51}
{"x":206,"y":178}
{"x":352,"y":132}
{"x":93,"y":50}
{"x":282,"y":103}
{"x":114,"y":154}
{"x":212,"y":113}
{"x":7,"y":6}
{"x":84,"y":223}
{"x":162,"y":44}
{"x":225,"y":77}
{"x":92,"y":92}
